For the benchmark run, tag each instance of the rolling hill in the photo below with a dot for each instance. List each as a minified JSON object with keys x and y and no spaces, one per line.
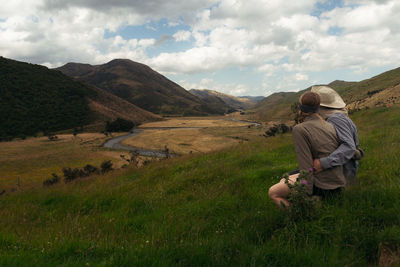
{"x":379,"y":90}
{"x":35,"y":99}
{"x":105,"y":107}
{"x":141,"y":86}
{"x":212,"y":100}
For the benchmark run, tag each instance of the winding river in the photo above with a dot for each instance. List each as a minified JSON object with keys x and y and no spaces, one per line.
{"x":115,"y":143}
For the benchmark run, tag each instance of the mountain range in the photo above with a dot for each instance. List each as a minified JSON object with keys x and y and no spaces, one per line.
{"x":227,"y":103}
{"x":37,"y":99}
{"x":34,"y":98}
{"x":140,"y":85}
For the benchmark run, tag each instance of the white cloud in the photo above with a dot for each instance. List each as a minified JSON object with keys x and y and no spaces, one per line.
{"x":181,"y":36}
{"x":239,"y":90}
{"x":301,"y":77}
{"x":276,"y":39}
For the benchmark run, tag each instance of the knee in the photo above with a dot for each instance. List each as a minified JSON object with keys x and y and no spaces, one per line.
{"x":272,"y":192}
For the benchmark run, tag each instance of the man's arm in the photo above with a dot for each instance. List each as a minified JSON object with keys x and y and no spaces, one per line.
{"x":347,"y":146}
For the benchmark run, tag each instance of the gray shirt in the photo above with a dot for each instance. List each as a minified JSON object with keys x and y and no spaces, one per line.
{"x":347,"y":134}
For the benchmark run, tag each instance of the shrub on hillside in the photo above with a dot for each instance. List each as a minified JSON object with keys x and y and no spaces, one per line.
{"x":55,"y":179}
{"x":278,"y":129}
{"x":106,"y":166}
{"x":70,"y":174}
{"x":302,"y":206}
{"x":89,"y":169}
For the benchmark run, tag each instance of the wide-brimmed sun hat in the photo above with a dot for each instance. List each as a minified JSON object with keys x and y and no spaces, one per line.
{"x":329,"y":97}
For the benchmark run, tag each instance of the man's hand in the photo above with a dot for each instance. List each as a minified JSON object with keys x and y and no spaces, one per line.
{"x":317,"y":166}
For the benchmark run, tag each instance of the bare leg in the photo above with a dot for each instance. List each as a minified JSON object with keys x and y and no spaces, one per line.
{"x":278,"y":192}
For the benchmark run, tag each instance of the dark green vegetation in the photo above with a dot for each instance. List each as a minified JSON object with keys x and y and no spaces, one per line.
{"x":277,"y":106}
{"x":119,"y":125}
{"x":73,"y":174}
{"x":34,"y":98}
{"x":210,"y":210}
{"x":141,"y":86}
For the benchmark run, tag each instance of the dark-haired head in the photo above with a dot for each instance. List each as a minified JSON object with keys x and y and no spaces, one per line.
{"x":310,"y":100}
{"x":309,"y":104}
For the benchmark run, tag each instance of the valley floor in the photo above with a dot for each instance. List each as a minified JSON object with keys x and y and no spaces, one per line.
{"x":192,"y":135}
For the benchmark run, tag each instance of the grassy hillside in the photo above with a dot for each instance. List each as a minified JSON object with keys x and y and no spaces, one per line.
{"x":34,"y":98}
{"x":108,"y":107}
{"x":277,"y":106}
{"x":356,"y":91}
{"x":141,"y":86}
{"x":210,"y":210}
{"x":212,"y":100}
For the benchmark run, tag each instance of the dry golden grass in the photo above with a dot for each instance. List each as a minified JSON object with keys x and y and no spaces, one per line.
{"x":180,"y":141}
{"x":27,"y":163}
{"x":389,"y":96}
{"x":213,"y":134}
{"x":196,"y":122}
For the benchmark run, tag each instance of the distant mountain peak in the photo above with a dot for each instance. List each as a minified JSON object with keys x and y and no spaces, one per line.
{"x":233,"y":102}
{"x":140,"y":85}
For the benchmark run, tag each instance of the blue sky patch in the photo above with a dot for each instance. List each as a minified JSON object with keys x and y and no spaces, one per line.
{"x":160,"y":30}
{"x":335,"y":31}
{"x":152,"y":29}
{"x":325,"y":6}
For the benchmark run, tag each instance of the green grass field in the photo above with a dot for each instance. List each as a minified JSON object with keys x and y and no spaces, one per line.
{"x":210,"y":210}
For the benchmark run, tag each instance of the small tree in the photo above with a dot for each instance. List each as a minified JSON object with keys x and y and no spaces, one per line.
{"x":295,"y":109}
{"x":106,"y":166}
{"x":119,"y":125}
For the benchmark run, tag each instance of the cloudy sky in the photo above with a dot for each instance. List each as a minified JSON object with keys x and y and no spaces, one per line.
{"x":239,"y":47}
